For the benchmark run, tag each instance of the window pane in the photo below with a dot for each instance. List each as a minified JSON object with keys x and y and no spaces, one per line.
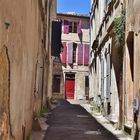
{"x":70,"y":27}
{"x":74,"y":52}
{"x":56,"y":83}
{"x":75,"y":27}
{"x":86,"y":81}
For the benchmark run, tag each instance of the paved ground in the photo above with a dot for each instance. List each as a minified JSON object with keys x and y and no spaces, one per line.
{"x":72,"y":122}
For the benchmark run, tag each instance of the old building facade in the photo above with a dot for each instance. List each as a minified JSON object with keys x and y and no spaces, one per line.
{"x":114,"y":62}
{"x":131,"y":67}
{"x":106,"y":57}
{"x":24,"y":64}
{"x":72,"y":76}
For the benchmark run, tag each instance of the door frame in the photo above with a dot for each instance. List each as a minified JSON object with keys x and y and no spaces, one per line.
{"x":70,"y":76}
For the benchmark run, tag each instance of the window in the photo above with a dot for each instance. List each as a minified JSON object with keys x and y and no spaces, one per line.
{"x":74,"y":52}
{"x":86,"y":81}
{"x":75,"y":27}
{"x":107,"y":2}
{"x":56,"y":83}
{"x":87,"y":87}
{"x":72,"y":27}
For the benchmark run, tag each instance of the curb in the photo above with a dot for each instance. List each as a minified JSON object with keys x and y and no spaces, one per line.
{"x":106,"y":123}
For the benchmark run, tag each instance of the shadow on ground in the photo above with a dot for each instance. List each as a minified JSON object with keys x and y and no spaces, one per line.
{"x":72,"y":122}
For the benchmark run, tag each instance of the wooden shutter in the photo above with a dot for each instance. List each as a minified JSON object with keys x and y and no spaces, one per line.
{"x":64,"y":53}
{"x":66,"y":27}
{"x":86,"y":54}
{"x":79,"y":26}
{"x":108,"y":77}
{"x":102,"y":78}
{"x":70,"y":53}
{"x":80,"y":54}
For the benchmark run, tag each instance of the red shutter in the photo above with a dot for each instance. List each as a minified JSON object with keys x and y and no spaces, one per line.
{"x":70,"y":53}
{"x":86,"y":53}
{"x":79,"y":26}
{"x":66,"y":27}
{"x":64,"y":53}
{"x":80,"y":54}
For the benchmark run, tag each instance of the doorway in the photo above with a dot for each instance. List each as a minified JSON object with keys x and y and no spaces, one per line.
{"x":69,"y":86}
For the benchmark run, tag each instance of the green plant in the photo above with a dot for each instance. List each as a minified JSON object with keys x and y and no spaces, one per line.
{"x":43,"y":110}
{"x":28,"y":137}
{"x":119,"y":28}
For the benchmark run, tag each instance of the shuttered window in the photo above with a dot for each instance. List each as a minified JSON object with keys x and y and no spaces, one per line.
{"x":75,"y":27}
{"x":70,"y":27}
{"x":64,"y":53}
{"x":83,"y":54}
{"x":79,"y":26}
{"x":66,"y":26}
{"x":74,"y":52}
{"x":86,"y":54}
{"x":80,"y":54}
{"x":86,"y":81}
{"x":56,"y":83}
{"x":102,"y":78}
{"x":108,"y":77}
{"x":70,"y":53}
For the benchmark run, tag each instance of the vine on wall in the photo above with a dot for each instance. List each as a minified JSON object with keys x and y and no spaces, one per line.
{"x":119,"y":28}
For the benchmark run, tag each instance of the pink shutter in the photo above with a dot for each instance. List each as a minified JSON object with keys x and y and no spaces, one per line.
{"x":62,"y":25}
{"x":66,"y":27}
{"x":80,"y":54}
{"x":70,"y":53}
{"x":86,"y":54}
{"x":64,"y":53}
{"x":79,"y":26}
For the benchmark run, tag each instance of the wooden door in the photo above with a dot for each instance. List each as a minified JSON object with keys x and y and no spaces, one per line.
{"x":70,"y":84}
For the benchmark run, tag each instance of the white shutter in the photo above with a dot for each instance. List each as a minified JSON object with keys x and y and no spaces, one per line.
{"x":102,"y":78}
{"x":108,"y":77}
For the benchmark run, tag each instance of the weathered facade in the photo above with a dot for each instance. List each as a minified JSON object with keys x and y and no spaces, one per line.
{"x":72,"y":76}
{"x":24,"y":63}
{"x":51,"y":15}
{"x":131,"y":67}
{"x":106,"y":59}
{"x":114,"y":62}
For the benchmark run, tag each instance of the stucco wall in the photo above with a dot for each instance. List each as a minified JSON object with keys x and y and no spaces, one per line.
{"x":80,"y":85}
{"x":133,"y":25}
{"x":21,"y":35}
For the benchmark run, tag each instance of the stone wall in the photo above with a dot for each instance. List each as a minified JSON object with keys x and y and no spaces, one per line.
{"x":106,"y":60}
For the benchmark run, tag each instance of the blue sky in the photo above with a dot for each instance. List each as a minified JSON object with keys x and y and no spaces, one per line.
{"x":78,"y":6}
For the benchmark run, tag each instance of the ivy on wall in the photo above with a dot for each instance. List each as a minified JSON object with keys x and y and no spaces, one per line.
{"x":119,"y":28}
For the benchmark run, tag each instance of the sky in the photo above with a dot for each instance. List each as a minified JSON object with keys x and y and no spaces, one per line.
{"x":78,"y":6}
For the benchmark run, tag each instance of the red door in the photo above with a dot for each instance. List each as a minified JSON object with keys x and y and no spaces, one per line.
{"x":70,"y":89}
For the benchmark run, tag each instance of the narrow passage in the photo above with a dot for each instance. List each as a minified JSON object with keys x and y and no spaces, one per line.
{"x":72,"y":122}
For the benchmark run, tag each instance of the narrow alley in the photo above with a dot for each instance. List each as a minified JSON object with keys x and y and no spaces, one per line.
{"x":72,"y":122}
